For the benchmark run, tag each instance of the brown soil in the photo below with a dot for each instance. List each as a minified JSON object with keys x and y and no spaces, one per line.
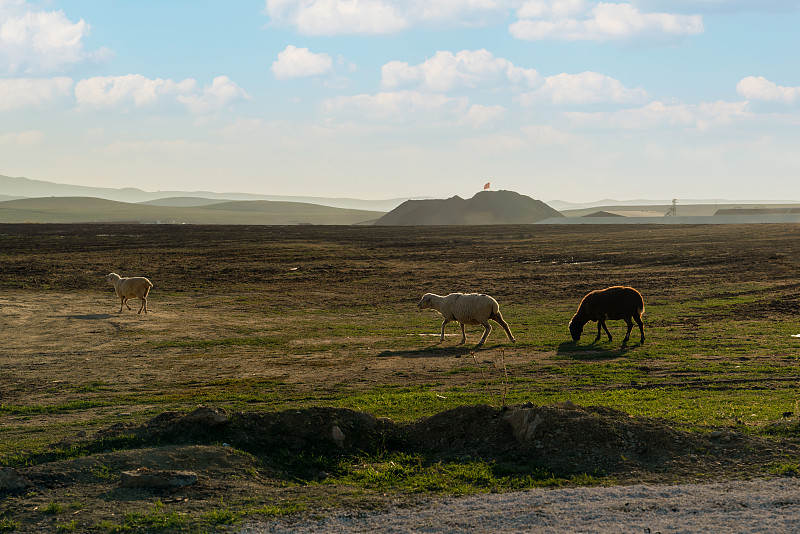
{"x":63,"y":342}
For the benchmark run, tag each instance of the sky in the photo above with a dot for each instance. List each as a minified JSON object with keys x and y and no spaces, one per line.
{"x":575,"y":100}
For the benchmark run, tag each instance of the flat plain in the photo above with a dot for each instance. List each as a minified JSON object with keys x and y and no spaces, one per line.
{"x":322,"y":321}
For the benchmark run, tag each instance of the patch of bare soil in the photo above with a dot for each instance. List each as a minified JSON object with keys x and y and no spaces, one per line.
{"x":255,"y":457}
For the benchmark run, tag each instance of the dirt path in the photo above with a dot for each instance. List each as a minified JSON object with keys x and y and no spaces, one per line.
{"x":740,"y":506}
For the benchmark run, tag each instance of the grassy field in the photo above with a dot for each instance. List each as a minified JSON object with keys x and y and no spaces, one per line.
{"x":265,"y":320}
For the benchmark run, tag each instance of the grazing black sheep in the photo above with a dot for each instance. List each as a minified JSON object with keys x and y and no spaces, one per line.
{"x":617,"y":302}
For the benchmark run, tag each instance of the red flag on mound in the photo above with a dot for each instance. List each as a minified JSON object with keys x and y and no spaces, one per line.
{"x":487,"y":186}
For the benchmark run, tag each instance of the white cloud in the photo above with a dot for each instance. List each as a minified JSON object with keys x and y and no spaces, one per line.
{"x":660,"y":115}
{"x":581,"y":89}
{"x":139,"y":91}
{"x":719,"y":6}
{"x":38,"y":41}
{"x":17,"y":93}
{"x":400,"y":105}
{"x":759,"y":88}
{"x":538,"y":19}
{"x":478,"y":115}
{"x":296,"y":62}
{"x":112,"y":91}
{"x":220,"y":93}
{"x":552,"y":8}
{"x":468,"y":69}
{"x":603,"y":21}
{"x":24,"y":139}
{"x":336,"y":17}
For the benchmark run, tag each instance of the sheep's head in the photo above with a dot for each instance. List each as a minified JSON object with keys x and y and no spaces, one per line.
{"x":111,"y":278}
{"x":575,"y":329}
{"x":425,"y":302}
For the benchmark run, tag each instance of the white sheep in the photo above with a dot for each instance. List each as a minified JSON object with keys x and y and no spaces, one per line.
{"x":129,"y":288}
{"x":466,"y":308}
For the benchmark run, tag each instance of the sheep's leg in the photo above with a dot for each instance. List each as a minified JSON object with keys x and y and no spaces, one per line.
{"x":630,"y":327}
{"x":144,"y":298}
{"x":121,"y":304}
{"x":444,"y":323}
{"x":126,"y":303}
{"x":606,"y":329}
{"x":463,"y":334}
{"x":499,"y":318}
{"x":486,"y":332}
{"x":144,"y":305}
{"x":601,"y":325}
{"x":638,"y":320}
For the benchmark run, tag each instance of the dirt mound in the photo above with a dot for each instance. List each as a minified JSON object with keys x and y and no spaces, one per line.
{"x":290,"y":452}
{"x":564,"y":439}
{"x":486,"y":207}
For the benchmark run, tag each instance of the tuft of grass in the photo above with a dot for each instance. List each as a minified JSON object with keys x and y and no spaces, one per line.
{"x":8,"y":525}
{"x":786,"y":469}
{"x":155,"y":520}
{"x":276,"y":510}
{"x":414,"y":473}
{"x":71,"y":526}
{"x":101,"y":472}
{"x":54,"y":508}
{"x":224,"y":516}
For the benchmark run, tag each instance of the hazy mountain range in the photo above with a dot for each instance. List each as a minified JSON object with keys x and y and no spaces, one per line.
{"x":16,"y":188}
{"x":24,"y":200}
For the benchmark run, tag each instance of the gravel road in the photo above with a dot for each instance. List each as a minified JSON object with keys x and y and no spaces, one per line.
{"x":738,"y":506}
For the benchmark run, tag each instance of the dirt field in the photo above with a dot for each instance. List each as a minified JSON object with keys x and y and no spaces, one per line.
{"x":261,"y":321}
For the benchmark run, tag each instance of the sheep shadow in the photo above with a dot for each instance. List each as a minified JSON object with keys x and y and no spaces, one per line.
{"x":87,"y":317}
{"x":592,"y":351}
{"x":437,"y":351}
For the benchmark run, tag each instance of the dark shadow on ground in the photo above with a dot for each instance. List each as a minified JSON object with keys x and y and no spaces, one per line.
{"x":438,"y":351}
{"x":88,"y":317}
{"x":593,"y":351}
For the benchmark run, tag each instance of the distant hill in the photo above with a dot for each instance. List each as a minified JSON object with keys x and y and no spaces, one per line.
{"x":684,"y":210}
{"x":83,"y":209}
{"x":486,"y":207}
{"x":182,"y":202}
{"x":570,"y":209}
{"x":26,"y":188}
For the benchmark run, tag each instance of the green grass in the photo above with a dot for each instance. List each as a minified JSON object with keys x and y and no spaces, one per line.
{"x":8,"y":525}
{"x":274,"y":511}
{"x":415,"y":474}
{"x":54,"y":508}
{"x":55,"y":409}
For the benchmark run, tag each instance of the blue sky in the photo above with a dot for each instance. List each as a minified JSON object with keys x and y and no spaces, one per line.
{"x":557,"y":99}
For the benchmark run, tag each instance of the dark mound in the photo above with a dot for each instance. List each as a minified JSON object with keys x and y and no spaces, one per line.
{"x":486,"y":207}
{"x":564,"y":439}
